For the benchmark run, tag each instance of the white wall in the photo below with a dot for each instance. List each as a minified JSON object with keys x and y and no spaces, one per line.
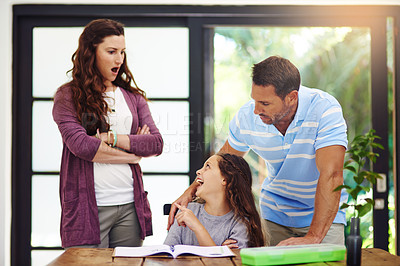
{"x":6,"y":89}
{"x":5,"y":131}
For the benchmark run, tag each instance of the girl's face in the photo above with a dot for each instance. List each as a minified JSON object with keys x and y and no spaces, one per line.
{"x":210,"y":179}
{"x":110,"y":55}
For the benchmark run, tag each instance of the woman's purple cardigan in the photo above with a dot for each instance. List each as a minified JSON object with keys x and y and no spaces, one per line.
{"x":79,"y":217}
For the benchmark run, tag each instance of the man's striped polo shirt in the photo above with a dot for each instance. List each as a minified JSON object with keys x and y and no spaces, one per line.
{"x":288,"y":192}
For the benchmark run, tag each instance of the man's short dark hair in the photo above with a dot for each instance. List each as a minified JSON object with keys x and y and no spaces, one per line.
{"x":278,"y":72}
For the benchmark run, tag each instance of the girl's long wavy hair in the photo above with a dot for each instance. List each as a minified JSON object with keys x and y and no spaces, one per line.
{"x":238,"y":178}
{"x":87,"y":82}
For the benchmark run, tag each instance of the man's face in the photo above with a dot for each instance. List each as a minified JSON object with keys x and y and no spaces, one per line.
{"x":270,"y":107}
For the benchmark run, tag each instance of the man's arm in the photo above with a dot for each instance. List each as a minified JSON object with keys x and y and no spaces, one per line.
{"x":228,"y":149}
{"x":329,"y":162}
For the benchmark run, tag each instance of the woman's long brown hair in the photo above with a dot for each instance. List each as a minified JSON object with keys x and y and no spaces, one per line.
{"x":238,"y":192}
{"x":87,"y":82}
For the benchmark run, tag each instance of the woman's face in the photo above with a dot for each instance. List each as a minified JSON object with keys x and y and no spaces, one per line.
{"x":210,"y":179}
{"x":110,"y":55}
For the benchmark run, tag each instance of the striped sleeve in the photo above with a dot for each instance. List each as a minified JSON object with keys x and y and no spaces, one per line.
{"x":332,"y":128}
{"x":235,"y":138}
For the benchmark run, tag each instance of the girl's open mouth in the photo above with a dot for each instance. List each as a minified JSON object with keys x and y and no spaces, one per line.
{"x":200,"y":181}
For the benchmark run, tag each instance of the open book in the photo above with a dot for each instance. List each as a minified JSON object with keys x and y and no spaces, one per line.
{"x":173,"y":251}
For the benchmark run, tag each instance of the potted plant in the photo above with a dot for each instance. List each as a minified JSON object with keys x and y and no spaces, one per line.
{"x":360,"y":160}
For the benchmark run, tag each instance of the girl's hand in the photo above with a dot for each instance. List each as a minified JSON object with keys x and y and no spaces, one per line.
{"x":184,"y":200}
{"x":143,"y":131}
{"x":187,"y":218}
{"x":231,"y":243}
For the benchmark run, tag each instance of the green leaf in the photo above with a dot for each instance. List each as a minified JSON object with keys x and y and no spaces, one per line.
{"x":366,"y":189}
{"x":355,"y":157}
{"x":355,"y":191}
{"x":370,"y":201}
{"x":357,"y":139}
{"x":377,"y":145}
{"x":351,"y":168}
{"x":364,"y":209}
{"x":349,"y":190}
{"x":357,"y":208}
{"x":338,"y":188}
{"x":364,"y":174}
{"x":346,"y":163}
{"x":344,"y":206}
{"x":358,"y":178}
{"x":372,"y":177}
{"x":373,"y":159}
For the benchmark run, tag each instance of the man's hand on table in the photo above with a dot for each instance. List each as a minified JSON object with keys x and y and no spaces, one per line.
{"x":299,"y":241}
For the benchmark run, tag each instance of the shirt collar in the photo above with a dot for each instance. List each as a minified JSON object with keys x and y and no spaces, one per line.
{"x":303,"y":102}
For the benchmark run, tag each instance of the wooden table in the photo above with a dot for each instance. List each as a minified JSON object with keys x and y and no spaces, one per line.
{"x":102,"y":256}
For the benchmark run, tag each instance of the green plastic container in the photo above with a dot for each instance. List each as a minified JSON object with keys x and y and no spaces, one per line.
{"x":292,"y":254}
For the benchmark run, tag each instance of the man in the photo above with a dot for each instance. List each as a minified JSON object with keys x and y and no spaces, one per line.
{"x":301,"y":135}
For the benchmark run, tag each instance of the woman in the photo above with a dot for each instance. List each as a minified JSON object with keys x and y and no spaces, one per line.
{"x":106,"y":127}
{"x":228,"y":216}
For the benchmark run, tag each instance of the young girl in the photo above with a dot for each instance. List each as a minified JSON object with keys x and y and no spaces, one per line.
{"x":229,"y":214}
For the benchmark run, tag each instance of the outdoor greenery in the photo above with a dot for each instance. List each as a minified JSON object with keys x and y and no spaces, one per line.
{"x":336,"y":60}
{"x":333,"y":59}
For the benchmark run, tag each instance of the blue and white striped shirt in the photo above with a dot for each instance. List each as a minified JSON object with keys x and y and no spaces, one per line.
{"x":288,"y":192}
